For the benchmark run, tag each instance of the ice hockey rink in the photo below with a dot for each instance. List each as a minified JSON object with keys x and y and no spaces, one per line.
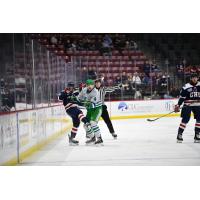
{"x":139,"y":143}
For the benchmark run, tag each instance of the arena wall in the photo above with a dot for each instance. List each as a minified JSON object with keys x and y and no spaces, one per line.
{"x":140,"y":109}
{"x":22,"y":133}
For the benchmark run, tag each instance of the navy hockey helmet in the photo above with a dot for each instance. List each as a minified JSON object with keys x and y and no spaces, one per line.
{"x":194,"y":75}
{"x":70,"y":84}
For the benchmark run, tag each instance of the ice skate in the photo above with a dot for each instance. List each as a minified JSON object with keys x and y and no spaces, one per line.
{"x":197,"y":138}
{"x":179,"y":138}
{"x":90,"y":141}
{"x":87,"y":136}
{"x":99,"y":142}
{"x":114,"y":135}
{"x":72,"y":141}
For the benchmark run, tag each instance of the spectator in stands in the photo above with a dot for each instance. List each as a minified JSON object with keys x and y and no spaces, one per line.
{"x":137,"y":95}
{"x":145,"y":80}
{"x":118,"y":80}
{"x":146,"y":68}
{"x":163,"y":81}
{"x":127,"y":45}
{"x":84,"y":74}
{"x":107,"y":40}
{"x":106,"y":45}
{"x":124,"y":78}
{"x":154,"y":68}
{"x":73,"y":46}
{"x":130,"y":78}
{"x":80,"y":45}
{"x":130,"y":84}
{"x":133,"y":45}
{"x":86,"y":43}
{"x":54,"y":40}
{"x":180,"y":70}
{"x":119,"y":44}
{"x":98,"y":44}
{"x":67,"y":45}
{"x":136,"y":80}
{"x":92,"y":74}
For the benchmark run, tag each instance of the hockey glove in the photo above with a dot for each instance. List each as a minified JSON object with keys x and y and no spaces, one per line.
{"x":177,"y":108}
{"x":73,"y":99}
{"x":88,"y":105}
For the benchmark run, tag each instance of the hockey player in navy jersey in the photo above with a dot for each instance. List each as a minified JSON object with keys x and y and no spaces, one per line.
{"x":68,"y":96}
{"x":190,"y":98}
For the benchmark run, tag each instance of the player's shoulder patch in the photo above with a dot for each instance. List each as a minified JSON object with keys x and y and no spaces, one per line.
{"x":198,"y":84}
{"x":187,"y":86}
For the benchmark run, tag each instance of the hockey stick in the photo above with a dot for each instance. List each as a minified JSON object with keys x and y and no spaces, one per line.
{"x":152,"y":120}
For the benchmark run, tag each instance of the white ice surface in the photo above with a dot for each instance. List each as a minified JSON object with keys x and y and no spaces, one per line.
{"x":139,"y":143}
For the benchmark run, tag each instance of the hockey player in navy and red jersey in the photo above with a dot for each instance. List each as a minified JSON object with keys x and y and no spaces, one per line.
{"x":190,"y":96}
{"x":68,"y":96}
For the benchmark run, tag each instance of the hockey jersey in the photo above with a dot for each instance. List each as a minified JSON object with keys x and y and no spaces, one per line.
{"x":190,"y":95}
{"x":68,"y":99}
{"x":90,"y":96}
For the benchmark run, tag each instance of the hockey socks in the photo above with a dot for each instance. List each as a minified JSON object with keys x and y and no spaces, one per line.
{"x":197,"y":128}
{"x":96,"y":130}
{"x":197,"y":132}
{"x":74,"y":132}
{"x":180,"y":132}
{"x":181,"y":128}
{"x":82,"y":118}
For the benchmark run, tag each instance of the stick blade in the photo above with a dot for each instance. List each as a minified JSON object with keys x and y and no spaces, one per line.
{"x":150,"y":120}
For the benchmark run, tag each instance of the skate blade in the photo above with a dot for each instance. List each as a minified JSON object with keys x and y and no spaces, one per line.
{"x":196,"y":141}
{"x":72,"y":144}
{"x":99,"y":145}
{"x":178,"y":141}
{"x":89,"y":144}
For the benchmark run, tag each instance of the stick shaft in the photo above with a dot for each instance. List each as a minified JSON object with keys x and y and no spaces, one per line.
{"x":161,"y":116}
{"x":152,"y":120}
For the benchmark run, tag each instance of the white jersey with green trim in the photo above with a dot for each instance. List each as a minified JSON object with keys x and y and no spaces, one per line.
{"x":90,"y":96}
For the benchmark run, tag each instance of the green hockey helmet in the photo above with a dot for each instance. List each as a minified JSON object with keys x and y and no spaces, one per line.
{"x":89,"y":82}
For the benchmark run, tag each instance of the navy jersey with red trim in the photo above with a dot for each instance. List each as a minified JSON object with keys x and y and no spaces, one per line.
{"x":190,"y":94}
{"x":67,"y":98}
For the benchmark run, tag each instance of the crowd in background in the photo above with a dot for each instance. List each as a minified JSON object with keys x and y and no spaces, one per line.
{"x":148,"y":81}
{"x":185,"y":72}
{"x":104,"y":45}
{"x":140,"y":84}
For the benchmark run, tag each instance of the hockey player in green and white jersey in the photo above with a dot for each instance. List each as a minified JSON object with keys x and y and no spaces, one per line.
{"x":89,"y":96}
